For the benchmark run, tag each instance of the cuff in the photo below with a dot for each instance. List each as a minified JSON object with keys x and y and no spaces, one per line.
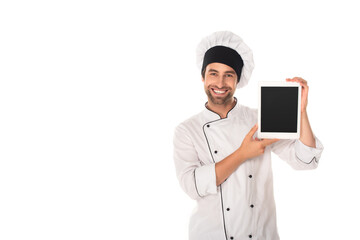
{"x":308,"y":154}
{"x":205,"y":180}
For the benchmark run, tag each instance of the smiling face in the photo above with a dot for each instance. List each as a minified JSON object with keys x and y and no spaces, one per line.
{"x":219,"y":83}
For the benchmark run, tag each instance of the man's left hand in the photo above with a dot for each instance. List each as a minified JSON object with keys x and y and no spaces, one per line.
{"x":304,"y":91}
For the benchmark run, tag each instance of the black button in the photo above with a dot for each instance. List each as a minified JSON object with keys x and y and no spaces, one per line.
{"x":251,"y":206}
{"x":250,"y":176}
{"x":231,"y":237}
{"x":215,"y":151}
{"x":208,"y":125}
{"x":250,"y":236}
{"x":228,"y":209}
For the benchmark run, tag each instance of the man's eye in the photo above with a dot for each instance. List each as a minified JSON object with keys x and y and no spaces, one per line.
{"x":229,"y":75}
{"x":213,"y":74}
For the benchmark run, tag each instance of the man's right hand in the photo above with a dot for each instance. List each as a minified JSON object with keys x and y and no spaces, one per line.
{"x":251,"y":147}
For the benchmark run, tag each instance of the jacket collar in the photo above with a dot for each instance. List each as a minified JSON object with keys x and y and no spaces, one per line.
{"x":212,"y":116}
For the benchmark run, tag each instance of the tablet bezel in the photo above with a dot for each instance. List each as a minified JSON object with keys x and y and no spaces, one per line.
{"x":279,"y":135}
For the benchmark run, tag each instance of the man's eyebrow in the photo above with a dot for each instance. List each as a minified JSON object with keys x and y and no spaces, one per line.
{"x":231,"y":71}
{"x":214,"y":70}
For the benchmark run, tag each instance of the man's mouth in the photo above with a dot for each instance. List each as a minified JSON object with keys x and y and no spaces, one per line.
{"x":218,"y":92}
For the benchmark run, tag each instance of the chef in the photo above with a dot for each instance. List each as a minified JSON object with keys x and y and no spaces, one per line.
{"x":219,"y":160}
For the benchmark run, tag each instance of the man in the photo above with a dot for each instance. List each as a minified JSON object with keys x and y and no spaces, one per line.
{"x":219,"y":161}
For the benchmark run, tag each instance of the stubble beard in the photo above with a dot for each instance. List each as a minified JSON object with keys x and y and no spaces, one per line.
{"x":219,"y":100}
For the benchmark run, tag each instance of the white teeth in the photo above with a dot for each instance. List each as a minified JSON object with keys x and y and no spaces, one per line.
{"x":220,"y":92}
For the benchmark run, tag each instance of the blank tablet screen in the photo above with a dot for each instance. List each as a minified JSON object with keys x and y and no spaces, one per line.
{"x":279,"y":108}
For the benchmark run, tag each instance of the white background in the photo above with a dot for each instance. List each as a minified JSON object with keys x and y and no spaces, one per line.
{"x":91,"y":92}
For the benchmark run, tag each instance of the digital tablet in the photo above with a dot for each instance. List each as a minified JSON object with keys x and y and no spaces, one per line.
{"x":279,"y":110}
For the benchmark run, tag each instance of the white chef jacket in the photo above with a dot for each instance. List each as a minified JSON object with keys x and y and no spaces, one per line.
{"x":243,"y":206}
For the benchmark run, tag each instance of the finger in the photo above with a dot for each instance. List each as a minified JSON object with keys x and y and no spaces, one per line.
{"x":290,"y":80}
{"x":252,"y":131}
{"x":267,"y":142}
{"x":300,"y":80}
{"x":303,"y":83}
{"x":296,"y":79}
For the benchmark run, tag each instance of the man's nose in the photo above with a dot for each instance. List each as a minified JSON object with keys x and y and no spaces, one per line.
{"x":221,"y":81}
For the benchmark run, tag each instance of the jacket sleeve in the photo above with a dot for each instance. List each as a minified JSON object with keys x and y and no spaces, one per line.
{"x":195,"y":178}
{"x":298,"y":155}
